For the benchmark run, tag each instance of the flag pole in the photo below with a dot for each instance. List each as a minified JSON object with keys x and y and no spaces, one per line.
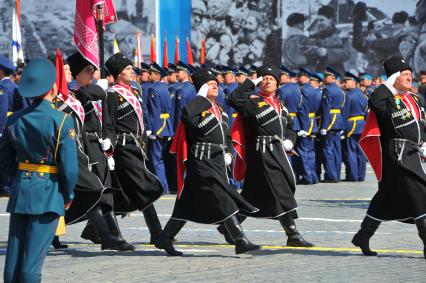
{"x":100,"y":28}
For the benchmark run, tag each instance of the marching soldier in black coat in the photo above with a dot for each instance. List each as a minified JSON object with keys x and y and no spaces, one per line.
{"x":140,"y":187}
{"x":203,"y":147}
{"x":262,"y":136}
{"x":396,"y":130}
{"x":93,"y":193}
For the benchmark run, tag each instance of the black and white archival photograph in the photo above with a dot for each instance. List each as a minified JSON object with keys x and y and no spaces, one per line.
{"x":352,"y":35}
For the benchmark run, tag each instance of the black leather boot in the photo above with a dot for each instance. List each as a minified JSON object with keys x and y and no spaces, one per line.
{"x":165,"y":241}
{"x":89,"y":233}
{"x":222,"y":230}
{"x":57,"y":244}
{"x":116,"y":233}
{"x":421,"y":227}
{"x":108,"y":242}
{"x":362,"y":237}
{"x":294,"y":238}
{"x":153,"y":223}
{"x":242,"y":244}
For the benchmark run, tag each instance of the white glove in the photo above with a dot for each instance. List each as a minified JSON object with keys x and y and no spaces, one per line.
{"x":105,"y":144}
{"x":103,"y":83}
{"x":390,"y":82}
{"x":148,"y":133}
{"x":228,"y":159}
{"x":422,"y":150}
{"x":152,"y":137}
{"x":323,"y":132}
{"x":302,"y":133}
{"x":257,"y":81}
{"x":288,"y":145}
{"x":111,"y":163}
{"x":203,"y":90}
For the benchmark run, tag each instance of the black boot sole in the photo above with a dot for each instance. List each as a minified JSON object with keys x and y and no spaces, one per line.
{"x":121,"y":247}
{"x":249,"y":248}
{"x":299,"y":244}
{"x":162,"y":245}
{"x":60,"y":247}
{"x":366,"y":251}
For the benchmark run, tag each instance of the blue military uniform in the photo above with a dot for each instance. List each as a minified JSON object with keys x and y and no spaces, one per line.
{"x":159,"y":108}
{"x":169,"y":159}
{"x":311,"y":103}
{"x":291,"y":95}
{"x":317,"y":137}
{"x":184,"y":94}
{"x":355,"y":112}
{"x":7,"y":88}
{"x":217,"y":70}
{"x":332,"y":124}
{"x":39,"y":149}
{"x":173,"y":87}
{"x":232,"y":114}
{"x":227,"y":90}
{"x":145,"y":86}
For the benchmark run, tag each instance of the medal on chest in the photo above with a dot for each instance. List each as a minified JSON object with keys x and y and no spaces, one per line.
{"x":397,"y":99}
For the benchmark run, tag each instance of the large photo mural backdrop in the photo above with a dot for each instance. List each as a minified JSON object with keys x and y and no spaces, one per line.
{"x":48,"y":24}
{"x":353,"y":35}
{"x":344,"y":34}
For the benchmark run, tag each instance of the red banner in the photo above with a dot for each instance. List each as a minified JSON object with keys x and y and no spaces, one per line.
{"x":165,"y":55}
{"x":153,"y":56}
{"x":85,"y":33}
{"x":61,"y":81}
{"x":177,"y":57}
{"x":203,"y":51}
{"x":189,"y":52}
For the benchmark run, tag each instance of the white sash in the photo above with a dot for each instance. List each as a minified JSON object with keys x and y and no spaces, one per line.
{"x":133,"y":101}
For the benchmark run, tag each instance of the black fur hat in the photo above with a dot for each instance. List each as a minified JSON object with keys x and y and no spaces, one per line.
{"x":201,"y":77}
{"x":117,"y":63}
{"x":395,"y":64}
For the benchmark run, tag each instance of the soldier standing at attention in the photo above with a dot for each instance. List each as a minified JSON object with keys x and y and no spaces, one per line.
{"x":355,"y":112}
{"x":332,"y":124}
{"x":39,"y":148}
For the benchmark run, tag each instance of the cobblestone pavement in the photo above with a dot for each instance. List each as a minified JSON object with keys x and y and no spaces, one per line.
{"x":329,"y":216}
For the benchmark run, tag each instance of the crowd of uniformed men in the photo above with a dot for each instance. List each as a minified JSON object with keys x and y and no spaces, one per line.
{"x":111,"y":143}
{"x":328,"y":111}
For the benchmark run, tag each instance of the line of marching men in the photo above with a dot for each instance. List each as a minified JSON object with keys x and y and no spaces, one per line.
{"x":82,"y":151}
{"x":80,"y":154}
{"x":328,"y":111}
